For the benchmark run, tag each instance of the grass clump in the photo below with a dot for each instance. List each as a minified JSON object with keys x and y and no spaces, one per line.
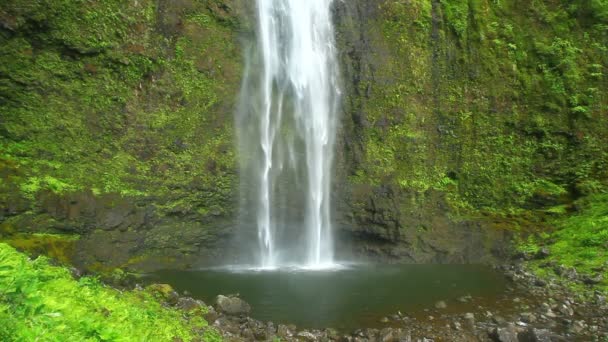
{"x":580,"y":241}
{"x":41,"y":302}
{"x":582,"y":238}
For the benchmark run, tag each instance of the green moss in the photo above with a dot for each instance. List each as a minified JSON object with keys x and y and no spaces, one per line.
{"x":57,"y":247}
{"x":118,"y":99}
{"x":580,"y":240}
{"x":43,"y":302}
{"x":499,"y":110}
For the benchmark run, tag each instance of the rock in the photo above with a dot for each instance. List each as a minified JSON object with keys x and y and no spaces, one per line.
{"x":469,"y":321}
{"x":507,"y":334}
{"x":593,"y":280}
{"x":441,"y":305}
{"x":331,"y":334}
{"x":386,"y":335}
{"x":499,"y":320}
{"x":542,"y":253}
{"x":284,"y":331}
{"x":465,"y":299}
{"x":540,"y":282}
{"x":224,"y":324}
{"x":456,"y":325}
{"x":232,"y":305}
{"x":248,"y":334}
{"x":384,"y":320}
{"x":189,"y":304}
{"x":539,"y":335}
{"x":211,"y":315}
{"x":527,"y":317}
{"x":566,"y":272}
{"x":578,"y":327}
{"x":75,"y":272}
{"x":163,"y":292}
{"x":306,"y":336}
{"x":565,"y":310}
{"x":261,"y":335}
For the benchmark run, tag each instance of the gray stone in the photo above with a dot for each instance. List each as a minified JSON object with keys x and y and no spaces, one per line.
{"x":539,"y":335}
{"x":386,"y":335}
{"x":189,"y":304}
{"x":248,"y":334}
{"x":465,"y":299}
{"x":542,"y":253}
{"x":499,"y":320}
{"x":593,"y":280}
{"x":578,"y":327}
{"x":307,"y":336}
{"x":469,"y":321}
{"x":232,"y":305}
{"x":565,"y":310}
{"x":527,"y":317}
{"x":441,"y":305}
{"x":507,"y":334}
{"x":283,"y":331}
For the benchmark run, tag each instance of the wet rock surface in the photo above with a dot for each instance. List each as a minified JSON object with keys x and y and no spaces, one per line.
{"x":232,"y":305}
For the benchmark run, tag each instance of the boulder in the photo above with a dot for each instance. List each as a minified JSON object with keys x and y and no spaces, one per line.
{"x":232,"y":305}
{"x":507,"y":334}
{"x":542,"y":253}
{"x":189,"y":304}
{"x":589,"y":280}
{"x":306,"y":336}
{"x":164,"y":292}
{"x":469,"y":321}
{"x":441,"y":305}
{"x":540,"y":335}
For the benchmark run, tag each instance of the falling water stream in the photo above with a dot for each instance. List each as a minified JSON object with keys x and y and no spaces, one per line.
{"x":287,"y":128}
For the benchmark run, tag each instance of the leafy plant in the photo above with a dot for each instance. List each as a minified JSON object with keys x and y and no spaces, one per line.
{"x":43,"y":302}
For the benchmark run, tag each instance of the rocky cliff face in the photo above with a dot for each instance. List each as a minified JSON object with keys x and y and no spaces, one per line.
{"x":462,"y":120}
{"x":465,"y":120}
{"x":117,"y":125}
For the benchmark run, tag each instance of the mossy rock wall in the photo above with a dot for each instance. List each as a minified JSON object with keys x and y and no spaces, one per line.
{"x":468,"y":111}
{"x":116,"y":123}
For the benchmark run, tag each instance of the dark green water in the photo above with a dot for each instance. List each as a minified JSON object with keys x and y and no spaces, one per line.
{"x":345,"y":299}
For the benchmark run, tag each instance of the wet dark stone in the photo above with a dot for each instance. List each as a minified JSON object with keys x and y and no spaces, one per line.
{"x":232,"y":305}
{"x":189,"y":304}
{"x":593,"y":280}
{"x":542,"y":253}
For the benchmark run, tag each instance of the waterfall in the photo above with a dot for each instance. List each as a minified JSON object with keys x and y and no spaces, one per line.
{"x":286,"y":127}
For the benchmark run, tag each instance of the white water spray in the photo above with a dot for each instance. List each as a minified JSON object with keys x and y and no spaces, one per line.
{"x":289,"y":105}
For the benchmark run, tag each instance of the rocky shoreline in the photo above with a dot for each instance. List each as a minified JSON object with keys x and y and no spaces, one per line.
{"x":532,"y":309}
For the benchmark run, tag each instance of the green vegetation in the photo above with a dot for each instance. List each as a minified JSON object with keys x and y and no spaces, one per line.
{"x":580,"y":240}
{"x":40,"y":302}
{"x":122,"y":99}
{"x":57,"y":247}
{"x":502,"y":99}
